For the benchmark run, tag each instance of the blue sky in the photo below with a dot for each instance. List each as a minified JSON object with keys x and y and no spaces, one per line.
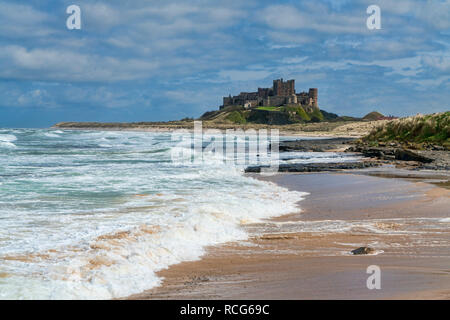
{"x":165,"y":60}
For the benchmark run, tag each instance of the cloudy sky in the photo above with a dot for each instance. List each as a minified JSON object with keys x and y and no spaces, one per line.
{"x":165,"y":60}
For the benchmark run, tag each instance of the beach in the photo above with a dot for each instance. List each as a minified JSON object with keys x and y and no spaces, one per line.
{"x":90,"y":214}
{"x":353,"y":129}
{"x":401,"y":214}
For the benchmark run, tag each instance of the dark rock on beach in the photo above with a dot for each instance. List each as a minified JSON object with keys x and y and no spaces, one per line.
{"x":316,"y":145}
{"x":363,"y":250}
{"x":432,"y":159}
{"x":407,"y":155}
{"x":317,"y":167}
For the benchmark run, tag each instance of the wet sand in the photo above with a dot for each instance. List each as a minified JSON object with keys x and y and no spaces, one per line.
{"x":306,"y":255}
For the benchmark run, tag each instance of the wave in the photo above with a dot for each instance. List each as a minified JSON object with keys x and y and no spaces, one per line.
{"x":125,"y":261}
{"x":7,"y":137}
{"x":7,"y":145}
{"x":51,"y":135}
{"x":6,"y":141}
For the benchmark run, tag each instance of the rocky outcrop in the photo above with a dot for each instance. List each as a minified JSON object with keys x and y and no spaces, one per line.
{"x":407,"y":155}
{"x":317,"y":167}
{"x":319,"y":145}
{"x":432,"y":158}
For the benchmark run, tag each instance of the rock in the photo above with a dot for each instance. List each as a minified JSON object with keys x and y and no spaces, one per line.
{"x":437,"y":148}
{"x":363,"y":250}
{"x":314,"y":145}
{"x":407,"y":155}
{"x":392,"y":144}
{"x":373,"y":153}
{"x":317,"y":167}
{"x":430,"y":157}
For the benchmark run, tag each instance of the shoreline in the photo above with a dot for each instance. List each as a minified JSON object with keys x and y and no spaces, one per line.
{"x":349,"y":129}
{"x":293,"y":133}
{"x":290,"y":258}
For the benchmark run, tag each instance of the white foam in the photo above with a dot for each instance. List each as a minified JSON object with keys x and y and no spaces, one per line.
{"x":8,"y":145}
{"x":51,"y":135}
{"x":6,"y":141}
{"x":8,"y":137}
{"x":213,"y":220}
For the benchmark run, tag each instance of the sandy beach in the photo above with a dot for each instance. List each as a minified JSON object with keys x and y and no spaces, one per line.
{"x":401,"y":214}
{"x":355,"y":129}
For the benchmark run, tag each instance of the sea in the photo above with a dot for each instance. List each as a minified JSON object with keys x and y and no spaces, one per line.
{"x":96,"y":214}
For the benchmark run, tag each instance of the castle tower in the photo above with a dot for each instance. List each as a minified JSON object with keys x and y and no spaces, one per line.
{"x":290,"y":87}
{"x":281,"y":88}
{"x":277,"y":87}
{"x":227,"y":101}
{"x":314,"y":96}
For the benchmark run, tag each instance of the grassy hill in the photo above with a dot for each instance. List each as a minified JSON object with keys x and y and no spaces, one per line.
{"x":272,"y":115}
{"x":286,"y":119}
{"x":418,"y":130}
{"x":373,"y":116}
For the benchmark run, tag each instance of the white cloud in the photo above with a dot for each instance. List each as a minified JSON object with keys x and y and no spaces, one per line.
{"x":317,"y":17}
{"x":19,"y":20}
{"x":433,"y":12}
{"x":68,"y":66}
{"x":35,"y":98}
{"x":101,"y":16}
{"x":439,"y":61}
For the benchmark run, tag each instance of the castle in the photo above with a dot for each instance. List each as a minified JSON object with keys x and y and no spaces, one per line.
{"x":282,"y":93}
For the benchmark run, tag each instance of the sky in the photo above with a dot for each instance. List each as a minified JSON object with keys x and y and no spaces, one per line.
{"x":161,"y":60}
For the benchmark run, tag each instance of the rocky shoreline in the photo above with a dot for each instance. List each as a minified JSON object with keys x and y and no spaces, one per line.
{"x":433,"y":157}
{"x":316,"y":145}
{"x":317,"y":167}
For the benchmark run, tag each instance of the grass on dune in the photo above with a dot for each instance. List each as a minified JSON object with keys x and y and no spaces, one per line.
{"x":432,"y":128}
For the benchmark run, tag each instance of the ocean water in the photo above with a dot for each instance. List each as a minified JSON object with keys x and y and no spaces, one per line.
{"x":93,"y":215}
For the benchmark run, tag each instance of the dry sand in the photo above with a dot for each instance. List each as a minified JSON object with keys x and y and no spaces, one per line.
{"x":305,"y":255}
{"x":354,"y":129}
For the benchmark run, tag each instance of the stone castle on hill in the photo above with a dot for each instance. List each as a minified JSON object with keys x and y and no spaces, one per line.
{"x":282,"y":93}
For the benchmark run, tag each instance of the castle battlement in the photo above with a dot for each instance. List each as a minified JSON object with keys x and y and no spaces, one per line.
{"x":281,"y":93}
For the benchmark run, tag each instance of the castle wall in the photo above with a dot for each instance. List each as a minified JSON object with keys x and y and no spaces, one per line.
{"x":274,"y":101}
{"x":264,"y":92}
{"x":292,"y":99}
